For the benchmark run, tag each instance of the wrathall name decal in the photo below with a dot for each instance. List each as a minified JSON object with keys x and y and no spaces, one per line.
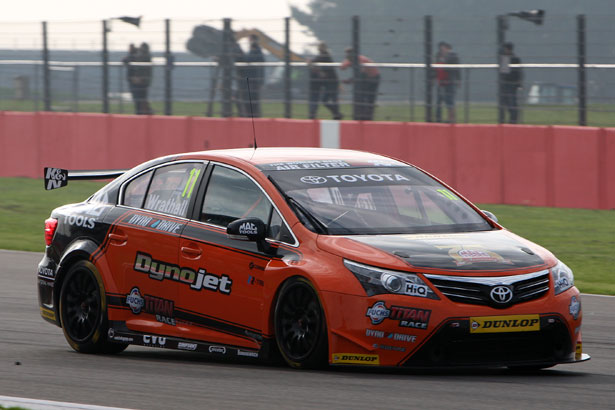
{"x":316,"y":180}
{"x":406,"y":316}
{"x":160,"y":270}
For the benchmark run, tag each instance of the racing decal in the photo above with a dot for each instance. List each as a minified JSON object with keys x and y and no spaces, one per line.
{"x":155,"y":224}
{"x":248,"y":228}
{"x":111,"y":335}
{"x":389,"y":347}
{"x":353,"y":178}
{"x":575,"y":307}
{"x":578,"y":351}
{"x":46,"y":272}
{"x":247,"y":353}
{"x":48,"y":314}
{"x":405,"y":316}
{"x":186,"y":346}
{"x":81,"y":221}
{"x":447,"y":194}
{"x":167,"y":206}
{"x":160,"y":270}
{"x":255,"y":281}
{"x":217,"y":349}
{"x":155,"y":341}
{"x":162,"y":309}
{"x":468,"y":254}
{"x":315,"y":164}
{"x":354,"y":358}
{"x":55,"y":178}
{"x":502,"y":324}
{"x":399,"y":337}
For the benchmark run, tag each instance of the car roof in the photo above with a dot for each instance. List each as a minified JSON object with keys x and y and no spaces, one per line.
{"x":288,"y":154}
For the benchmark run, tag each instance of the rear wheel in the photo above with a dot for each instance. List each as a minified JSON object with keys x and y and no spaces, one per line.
{"x":300,"y":325}
{"x":83,"y":313}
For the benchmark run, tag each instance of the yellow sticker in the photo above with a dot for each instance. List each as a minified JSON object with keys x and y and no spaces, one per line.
{"x":354,"y":358}
{"x":47,"y":313}
{"x":579,"y":351}
{"x":501,"y":324}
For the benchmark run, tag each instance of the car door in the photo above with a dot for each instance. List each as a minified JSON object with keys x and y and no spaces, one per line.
{"x":142,"y":250}
{"x":226,"y":302}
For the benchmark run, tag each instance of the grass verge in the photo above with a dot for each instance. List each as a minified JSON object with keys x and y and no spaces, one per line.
{"x":584,"y":239}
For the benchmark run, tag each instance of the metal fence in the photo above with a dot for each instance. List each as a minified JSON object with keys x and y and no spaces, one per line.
{"x":198,"y":66}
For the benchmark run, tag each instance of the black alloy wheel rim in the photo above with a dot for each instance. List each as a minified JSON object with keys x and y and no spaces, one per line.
{"x":81,"y":306}
{"x":299,"y":321}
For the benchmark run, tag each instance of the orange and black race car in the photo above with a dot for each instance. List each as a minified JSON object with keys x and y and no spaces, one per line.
{"x":318,"y":255}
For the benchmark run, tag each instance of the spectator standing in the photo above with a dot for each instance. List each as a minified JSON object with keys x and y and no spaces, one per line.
{"x":140,"y":78}
{"x":131,"y":73}
{"x":256,"y":76}
{"x":511,"y":79}
{"x":323,"y":78}
{"x":366,"y":85}
{"x":447,"y":80}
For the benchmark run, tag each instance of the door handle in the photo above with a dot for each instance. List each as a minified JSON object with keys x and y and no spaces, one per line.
{"x":118,"y":239}
{"x":191,"y":252}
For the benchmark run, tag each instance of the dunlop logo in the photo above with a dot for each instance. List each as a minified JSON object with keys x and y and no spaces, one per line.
{"x":503,"y":324}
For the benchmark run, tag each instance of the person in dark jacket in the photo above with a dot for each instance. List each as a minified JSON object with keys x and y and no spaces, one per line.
{"x":366,"y":85}
{"x":447,"y":80}
{"x":323,"y":79}
{"x":256,"y":76}
{"x":139,"y":77}
{"x":511,"y":80}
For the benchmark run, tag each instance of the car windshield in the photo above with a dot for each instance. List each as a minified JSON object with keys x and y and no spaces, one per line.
{"x":375,"y":200}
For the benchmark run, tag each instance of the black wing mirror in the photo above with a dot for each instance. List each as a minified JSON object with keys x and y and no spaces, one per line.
{"x":250,"y":229}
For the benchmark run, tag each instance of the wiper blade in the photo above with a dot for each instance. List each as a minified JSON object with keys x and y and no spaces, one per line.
{"x":320,"y":227}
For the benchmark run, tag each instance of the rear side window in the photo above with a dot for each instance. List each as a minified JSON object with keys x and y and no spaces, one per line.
{"x":172,"y":187}
{"x":231,"y":195}
{"x":134,"y":193}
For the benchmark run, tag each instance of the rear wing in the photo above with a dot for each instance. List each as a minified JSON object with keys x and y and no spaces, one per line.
{"x":57,"y":177}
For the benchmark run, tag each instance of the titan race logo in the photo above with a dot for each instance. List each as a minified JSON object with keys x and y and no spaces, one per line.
{"x":160,"y":270}
{"x":161,"y":308}
{"x":406,"y":316}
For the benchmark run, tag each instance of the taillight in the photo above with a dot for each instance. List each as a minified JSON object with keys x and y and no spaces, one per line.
{"x":50,"y":229}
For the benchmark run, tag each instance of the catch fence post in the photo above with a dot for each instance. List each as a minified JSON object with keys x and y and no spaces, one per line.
{"x":46,"y":76}
{"x":227,"y":68}
{"x":168,"y":69}
{"x":105,"y":69}
{"x":356,"y":68}
{"x":427,"y":42}
{"x":287,"y":70}
{"x":581,"y":74}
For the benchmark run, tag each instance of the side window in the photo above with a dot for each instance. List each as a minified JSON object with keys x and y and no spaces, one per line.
{"x":231,"y":195}
{"x":172,"y":187}
{"x":134,"y":193}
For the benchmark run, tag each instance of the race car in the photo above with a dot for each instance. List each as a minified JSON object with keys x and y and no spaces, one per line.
{"x":317,"y":256}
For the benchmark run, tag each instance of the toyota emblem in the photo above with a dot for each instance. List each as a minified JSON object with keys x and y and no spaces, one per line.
{"x":501,"y":294}
{"x":315,"y":180}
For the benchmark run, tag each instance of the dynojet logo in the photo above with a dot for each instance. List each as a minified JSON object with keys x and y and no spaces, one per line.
{"x":354,"y":358}
{"x":503,"y":324}
{"x":161,"y":270}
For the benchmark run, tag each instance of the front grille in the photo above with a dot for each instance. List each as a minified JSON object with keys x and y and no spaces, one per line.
{"x":456,"y":346}
{"x":477,"y":290}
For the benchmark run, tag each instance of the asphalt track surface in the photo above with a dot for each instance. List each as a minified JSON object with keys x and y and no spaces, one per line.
{"x":147,"y":378}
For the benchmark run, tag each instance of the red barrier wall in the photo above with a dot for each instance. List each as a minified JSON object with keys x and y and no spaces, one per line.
{"x":511,"y":164}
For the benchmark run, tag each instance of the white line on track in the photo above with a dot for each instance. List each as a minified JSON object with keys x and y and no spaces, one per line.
{"x":33,"y":404}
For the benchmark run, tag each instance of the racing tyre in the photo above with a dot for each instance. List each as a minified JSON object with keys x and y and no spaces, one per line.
{"x":300,"y":325}
{"x":83,"y":312}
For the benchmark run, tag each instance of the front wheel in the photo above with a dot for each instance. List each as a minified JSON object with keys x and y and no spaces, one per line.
{"x":300,"y":325}
{"x":83,"y":313}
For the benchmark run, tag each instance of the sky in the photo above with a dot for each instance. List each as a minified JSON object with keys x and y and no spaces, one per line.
{"x":76,"y":24}
{"x":67,"y":10}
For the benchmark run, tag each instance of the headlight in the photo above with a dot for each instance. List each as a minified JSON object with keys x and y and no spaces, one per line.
{"x":562,"y":277}
{"x":377,"y":281}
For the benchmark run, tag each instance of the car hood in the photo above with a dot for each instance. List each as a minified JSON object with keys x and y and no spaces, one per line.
{"x":487,"y":251}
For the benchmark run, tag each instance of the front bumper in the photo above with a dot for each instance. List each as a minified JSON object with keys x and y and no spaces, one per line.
{"x":394,"y":330}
